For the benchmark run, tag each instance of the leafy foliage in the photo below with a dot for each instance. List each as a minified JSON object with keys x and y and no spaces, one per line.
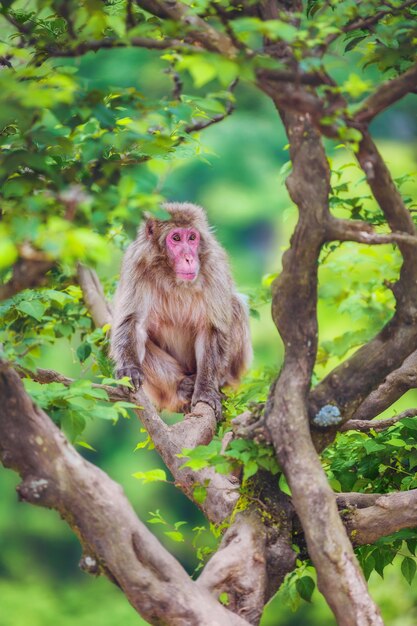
{"x":81,"y":161}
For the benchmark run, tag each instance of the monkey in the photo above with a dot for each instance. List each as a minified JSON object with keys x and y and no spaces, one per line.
{"x":179,"y":327}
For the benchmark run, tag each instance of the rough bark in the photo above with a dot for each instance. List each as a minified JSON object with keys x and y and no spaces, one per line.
{"x":94,"y":299}
{"x":348,"y":385}
{"x":294,"y":312}
{"x":114,"y":540}
{"x":387,"y":515}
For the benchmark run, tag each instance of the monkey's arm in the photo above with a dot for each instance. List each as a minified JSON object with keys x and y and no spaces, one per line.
{"x":129,"y":334}
{"x":211,"y":355}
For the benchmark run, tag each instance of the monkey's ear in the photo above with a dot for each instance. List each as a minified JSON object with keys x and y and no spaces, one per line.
{"x":150,"y":227}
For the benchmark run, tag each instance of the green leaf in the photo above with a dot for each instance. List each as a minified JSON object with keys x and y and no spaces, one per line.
{"x":151,"y":476}
{"x":8,"y":253}
{"x":175,"y":535}
{"x":249,"y":469}
{"x":368,"y":566}
{"x":83,"y":351}
{"x":408,"y":569}
{"x":34,"y":308}
{"x":84,"y":444}
{"x":283,"y":485}
{"x":305,"y":587}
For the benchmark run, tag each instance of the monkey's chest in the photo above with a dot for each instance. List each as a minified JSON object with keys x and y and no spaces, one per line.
{"x":174,"y":326}
{"x":178,"y":343}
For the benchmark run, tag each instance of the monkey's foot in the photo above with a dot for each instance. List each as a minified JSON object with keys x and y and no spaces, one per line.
{"x":132,"y":372}
{"x":210,"y":397}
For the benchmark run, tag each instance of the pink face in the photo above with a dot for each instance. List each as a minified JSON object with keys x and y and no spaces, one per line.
{"x":182,"y":247}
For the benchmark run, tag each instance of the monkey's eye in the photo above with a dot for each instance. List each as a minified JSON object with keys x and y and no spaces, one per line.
{"x":176,"y":237}
{"x":191,"y":237}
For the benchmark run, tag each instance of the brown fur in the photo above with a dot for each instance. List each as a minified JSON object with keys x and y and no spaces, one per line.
{"x":182,"y":340}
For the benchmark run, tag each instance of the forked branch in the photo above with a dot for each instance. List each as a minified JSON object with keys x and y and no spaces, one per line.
{"x":54,"y":475}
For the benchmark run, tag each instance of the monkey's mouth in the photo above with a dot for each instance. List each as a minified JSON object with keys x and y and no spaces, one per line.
{"x":187,"y":275}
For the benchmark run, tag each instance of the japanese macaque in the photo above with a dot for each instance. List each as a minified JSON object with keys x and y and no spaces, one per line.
{"x":179,"y":327}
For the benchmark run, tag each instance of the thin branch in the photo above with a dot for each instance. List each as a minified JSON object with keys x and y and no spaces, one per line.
{"x":197,"y":29}
{"x":176,"y":79}
{"x":224,"y":19}
{"x":377,"y":425}
{"x":94,"y":298}
{"x":108,"y":43}
{"x":45,"y":377}
{"x":396,"y":384}
{"x":54,"y":475}
{"x":388,"y":93}
{"x":296,"y":77}
{"x":362,"y":232}
{"x":365,"y":23}
{"x":230,"y":107}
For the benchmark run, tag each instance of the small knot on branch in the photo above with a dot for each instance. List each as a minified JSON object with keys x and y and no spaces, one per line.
{"x":89,"y":564}
{"x":32,"y":490}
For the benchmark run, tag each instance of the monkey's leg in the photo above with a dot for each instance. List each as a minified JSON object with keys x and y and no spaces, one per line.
{"x":211,"y":349}
{"x":240,"y":343}
{"x":166,"y":383}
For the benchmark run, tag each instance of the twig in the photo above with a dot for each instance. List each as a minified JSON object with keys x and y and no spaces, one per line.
{"x":389,"y":92}
{"x":94,"y":297}
{"x":376,"y":425}
{"x":230,"y":107}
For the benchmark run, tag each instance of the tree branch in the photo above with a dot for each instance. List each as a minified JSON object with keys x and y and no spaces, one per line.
{"x":389,"y":92}
{"x":389,"y":513}
{"x":230,"y":107}
{"x":294,"y":312}
{"x":108,"y":43}
{"x":377,"y":425}
{"x":361,"y":232}
{"x":196,"y":27}
{"x":396,"y":384}
{"x":93,"y":294}
{"x":54,"y":475}
{"x":364,"y":23}
{"x":348,"y":385}
{"x":27,"y":274}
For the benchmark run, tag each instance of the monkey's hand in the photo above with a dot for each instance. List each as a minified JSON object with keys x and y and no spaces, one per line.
{"x":212,"y":398}
{"x":132,"y":372}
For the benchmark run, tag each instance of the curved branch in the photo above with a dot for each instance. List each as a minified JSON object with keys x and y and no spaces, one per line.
{"x":54,"y":475}
{"x":230,"y":107}
{"x":294,"y":313}
{"x":108,"y":43}
{"x":196,"y":27}
{"x":94,"y":297}
{"x":391,"y":91}
{"x":396,"y":384}
{"x":376,"y":425}
{"x":349,"y":384}
{"x":388,"y":514}
{"x":361,"y":232}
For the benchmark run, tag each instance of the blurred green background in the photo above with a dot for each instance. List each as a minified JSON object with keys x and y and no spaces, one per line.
{"x":239,"y":181}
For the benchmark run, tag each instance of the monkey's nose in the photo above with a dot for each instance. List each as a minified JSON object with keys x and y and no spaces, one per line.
{"x":189,"y":258}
